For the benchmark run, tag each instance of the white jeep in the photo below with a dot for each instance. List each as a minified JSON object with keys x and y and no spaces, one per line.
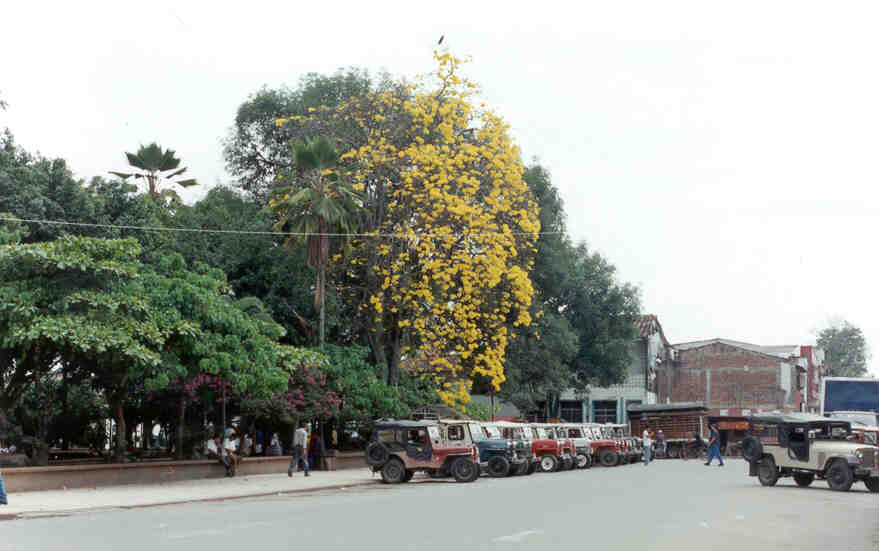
{"x":806,"y":447}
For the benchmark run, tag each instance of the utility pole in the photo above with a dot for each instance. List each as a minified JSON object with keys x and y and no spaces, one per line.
{"x":492,"y":404}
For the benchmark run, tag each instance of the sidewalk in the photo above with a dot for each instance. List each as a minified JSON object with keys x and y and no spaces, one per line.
{"x":61,"y":502}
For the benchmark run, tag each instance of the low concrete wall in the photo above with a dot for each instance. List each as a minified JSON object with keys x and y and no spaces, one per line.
{"x":28,"y":479}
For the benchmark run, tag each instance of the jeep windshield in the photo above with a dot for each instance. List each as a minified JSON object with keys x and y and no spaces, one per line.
{"x":864,"y":418}
{"x":478,"y":431}
{"x":493,"y":432}
{"x":544,"y":434}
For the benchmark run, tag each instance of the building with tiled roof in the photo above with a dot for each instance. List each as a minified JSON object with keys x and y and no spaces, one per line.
{"x":608,"y":404}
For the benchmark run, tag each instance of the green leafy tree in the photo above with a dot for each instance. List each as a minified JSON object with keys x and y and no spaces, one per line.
{"x":257,"y":152}
{"x":70,"y":302}
{"x":88,"y":306}
{"x":364,"y":394}
{"x":845,"y":349}
{"x":255,"y":266}
{"x":35,"y":188}
{"x":156,"y":166}
{"x":312,"y":203}
{"x":585,"y":318}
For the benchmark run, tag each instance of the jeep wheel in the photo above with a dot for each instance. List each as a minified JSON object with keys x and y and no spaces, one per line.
{"x":567,"y":464}
{"x":549,"y":463}
{"x":393,"y":471}
{"x":803,"y":480}
{"x":872,"y":484}
{"x":465,"y":470}
{"x":583,"y":461}
{"x":752,"y":449}
{"x":839,"y":476}
{"x":498,"y":466}
{"x":377,"y":454}
{"x":608,"y":457}
{"x":767,"y":472}
{"x":408,"y":476}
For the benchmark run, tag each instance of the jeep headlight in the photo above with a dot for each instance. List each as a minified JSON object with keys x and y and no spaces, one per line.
{"x":860,"y":456}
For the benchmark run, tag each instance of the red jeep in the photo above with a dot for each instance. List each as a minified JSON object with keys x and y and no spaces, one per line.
{"x":605,"y":449}
{"x":566,"y":443}
{"x":547,"y":447}
{"x":400,"y":448}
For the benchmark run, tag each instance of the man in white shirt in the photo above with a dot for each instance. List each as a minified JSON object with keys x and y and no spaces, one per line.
{"x":647,"y":437}
{"x":300,"y":445}
{"x":216,"y":448}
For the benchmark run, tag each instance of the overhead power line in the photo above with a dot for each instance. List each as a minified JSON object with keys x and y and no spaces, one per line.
{"x":249,"y":232}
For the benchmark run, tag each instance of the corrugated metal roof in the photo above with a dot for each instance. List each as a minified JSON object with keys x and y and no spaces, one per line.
{"x":403,"y":423}
{"x":795,"y":418}
{"x":666,"y":407}
{"x":783,"y":351}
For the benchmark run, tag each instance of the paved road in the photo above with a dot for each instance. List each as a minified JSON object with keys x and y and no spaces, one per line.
{"x":668,"y":505}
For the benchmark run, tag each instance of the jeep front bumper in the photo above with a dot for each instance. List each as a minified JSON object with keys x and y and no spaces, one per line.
{"x":862,"y":472}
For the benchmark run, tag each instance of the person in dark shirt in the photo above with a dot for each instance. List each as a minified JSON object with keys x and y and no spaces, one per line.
{"x":714,"y":446}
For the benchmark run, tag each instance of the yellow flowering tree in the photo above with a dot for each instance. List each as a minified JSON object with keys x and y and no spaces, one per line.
{"x":442,"y":271}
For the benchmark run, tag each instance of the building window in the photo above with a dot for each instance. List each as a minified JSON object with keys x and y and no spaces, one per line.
{"x":626,"y":405}
{"x":572,"y":411}
{"x":605,"y":411}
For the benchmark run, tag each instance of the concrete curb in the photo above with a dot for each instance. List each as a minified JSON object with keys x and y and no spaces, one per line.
{"x":29,"y":515}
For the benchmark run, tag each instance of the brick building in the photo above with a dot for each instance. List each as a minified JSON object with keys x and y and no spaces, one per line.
{"x":735,"y":378}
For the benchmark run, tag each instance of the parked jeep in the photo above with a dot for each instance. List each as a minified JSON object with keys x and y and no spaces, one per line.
{"x":546,"y":447}
{"x":398,"y":449}
{"x":566,"y":446}
{"x":605,"y":448}
{"x":523,"y":436}
{"x":582,"y":439}
{"x":806,"y":447}
{"x":498,"y":455}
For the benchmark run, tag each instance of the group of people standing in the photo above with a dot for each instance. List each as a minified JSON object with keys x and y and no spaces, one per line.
{"x":648,"y":437}
{"x":228,"y":449}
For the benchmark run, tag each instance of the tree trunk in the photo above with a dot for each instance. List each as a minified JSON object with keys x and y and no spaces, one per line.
{"x":394,"y":359}
{"x":121,"y":431}
{"x":181,"y":419}
{"x":322,"y":276}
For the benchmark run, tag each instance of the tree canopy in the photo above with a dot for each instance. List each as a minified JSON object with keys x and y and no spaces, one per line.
{"x":845,"y":349}
{"x":451,"y":224}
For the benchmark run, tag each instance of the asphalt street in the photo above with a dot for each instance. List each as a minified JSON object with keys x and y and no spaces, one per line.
{"x":669,"y":505}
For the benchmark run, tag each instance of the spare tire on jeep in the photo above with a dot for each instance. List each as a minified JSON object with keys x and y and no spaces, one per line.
{"x":752,"y":449}
{"x":377,"y":454}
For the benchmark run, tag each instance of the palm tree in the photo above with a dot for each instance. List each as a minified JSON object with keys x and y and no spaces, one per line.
{"x":319,"y":201}
{"x":156,"y":164}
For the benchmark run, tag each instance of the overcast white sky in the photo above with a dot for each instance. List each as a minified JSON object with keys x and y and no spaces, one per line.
{"x":723,"y":156}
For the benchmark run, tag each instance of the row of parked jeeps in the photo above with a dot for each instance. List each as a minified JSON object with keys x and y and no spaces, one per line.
{"x":465,"y":449}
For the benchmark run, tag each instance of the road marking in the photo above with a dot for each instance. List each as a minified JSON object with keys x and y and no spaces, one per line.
{"x":194,"y":534}
{"x":515,"y":538}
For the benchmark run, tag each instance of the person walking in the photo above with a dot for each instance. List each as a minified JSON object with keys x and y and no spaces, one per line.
{"x":647,"y":439}
{"x":3,"y":500}
{"x":300,"y":441}
{"x":714,"y":445}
